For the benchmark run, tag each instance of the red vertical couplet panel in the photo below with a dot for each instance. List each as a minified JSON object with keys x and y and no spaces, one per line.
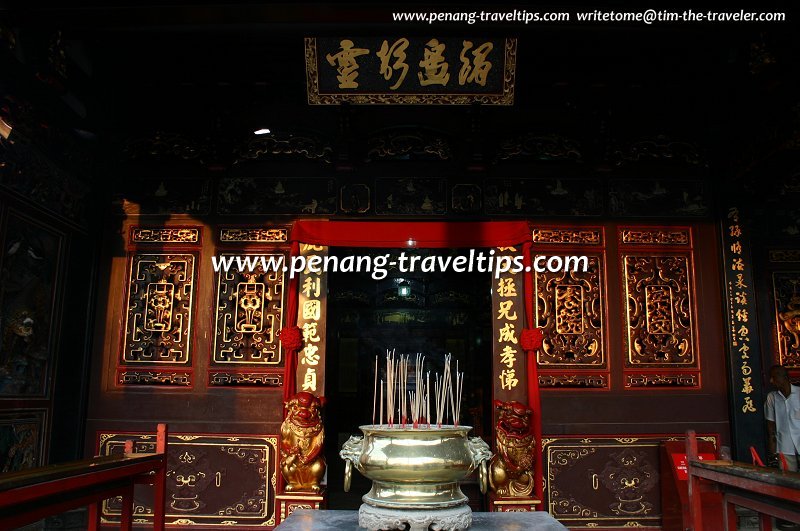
{"x":534,"y":400}
{"x":311,"y":317}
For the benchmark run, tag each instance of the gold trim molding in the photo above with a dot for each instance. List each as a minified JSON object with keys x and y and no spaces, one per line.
{"x":164,"y":235}
{"x":585,"y":237}
{"x":228,"y":235}
{"x":656,"y":237}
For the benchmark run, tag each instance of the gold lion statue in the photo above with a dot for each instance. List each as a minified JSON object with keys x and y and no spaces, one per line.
{"x":511,"y":471}
{"x":302,"y":438}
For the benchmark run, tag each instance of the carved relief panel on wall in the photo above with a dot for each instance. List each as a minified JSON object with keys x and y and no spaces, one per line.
{"x":212,"y":480}
{"x":603,"y":481}
{"x":569,"y":307}
{"x":158,"y":320}
{"x":659,"y":311}
{"x":786,"y":289}
{"x":249,"y":309}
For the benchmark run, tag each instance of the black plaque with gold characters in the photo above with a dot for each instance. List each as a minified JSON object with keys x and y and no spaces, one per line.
{"x":402,"y":69}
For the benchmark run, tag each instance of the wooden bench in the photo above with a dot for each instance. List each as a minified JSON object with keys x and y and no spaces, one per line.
{"x":30,"y":495}
{"x":768,"y":491}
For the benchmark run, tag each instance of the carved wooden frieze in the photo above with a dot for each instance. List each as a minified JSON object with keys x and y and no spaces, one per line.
{"x":603,"y":481}
{"x":569,"y":310}
{"x":236,"y":235}
{"x":784,"y":255}
{"x":158,"y":320}
{"x":656,"y":236}
{"x":564,"y":380}
{"x":249,"y":311}
{"x":164,"y":235}
{"x":662,"y":380}
{"x":214,"y":481}
{"x":786,"y":289}
{"x":659,"y":311}
{"x":579,"y":236}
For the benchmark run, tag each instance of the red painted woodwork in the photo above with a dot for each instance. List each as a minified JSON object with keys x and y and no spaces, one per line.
{"x":30,"y":495}
{"x":675,"y":488}
{"x":767,"y":491}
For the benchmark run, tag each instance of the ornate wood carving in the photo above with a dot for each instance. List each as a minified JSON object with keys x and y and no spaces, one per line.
{"x":404,"y":144}
{"x":249,"y":312}
{"x":784,"y":255}
{"x":259,"y":196}
{"x":660,"y":148}
{"x":579,"y":236}
{"x":659,"y":311}
{"x":410,"y":196}
{"x":22,"y":436}
{"x":217,"y":481}
{"x":592,"y":381}
{"x":604,"y":482}
{"x":297,"y":146}
{"x":154,"y":377}
{"x":532,"y":146}
{"x":246,"y":378}
{"x":662,"y":380}
{"x":158,"y":321}
{"x":164,"y":235}
{"x":543,"y":197}
{"x":29,"y":301}
{"x":569,"y":309}
{"x":355,"y":198}
{"x":656,"y":236}
{"x":785,"y":285}
{"x":235,"y":235}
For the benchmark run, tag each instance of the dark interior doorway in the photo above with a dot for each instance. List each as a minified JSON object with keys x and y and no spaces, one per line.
{"x":443,"y":312}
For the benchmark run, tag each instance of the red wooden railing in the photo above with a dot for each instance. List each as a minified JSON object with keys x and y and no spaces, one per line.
{"x":30,"y":495}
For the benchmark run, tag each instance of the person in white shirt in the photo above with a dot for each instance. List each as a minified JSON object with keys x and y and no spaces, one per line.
{"x":782,"y":411}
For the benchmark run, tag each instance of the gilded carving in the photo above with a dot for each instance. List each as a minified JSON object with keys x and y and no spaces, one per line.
{"x":134,"y":377}
{"x":402,"y":144}
{"x":285,"y":145}
{"x":254,"y":235}
{"x":248,"y":314}
{"x":662,"y":380}
{"x":164,"y":235}
{"x":659,"y":311}
{"x":159,"y":316}
{"x":596,"y":381}
{"x":787,"y":316}
{"x":511,"y":470}
{"x":212,"y":481}
{"x":656,"y":236}
{"x":243,"y":378}
{"x":569,"y":309}
{"x":582,"y":236}
{"x":302,"y":443}
{"x":629,"y":476}
{"x":539,"y":147}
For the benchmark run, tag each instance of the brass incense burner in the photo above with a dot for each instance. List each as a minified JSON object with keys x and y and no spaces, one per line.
{"x":415,"y":474}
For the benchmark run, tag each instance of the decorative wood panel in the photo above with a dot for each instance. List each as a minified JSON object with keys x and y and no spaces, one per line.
{"x":158,"y":321}
{"x":29,"y":299}
{"x":260,"y":196}
{"x":786,"y":290}
{"x":249,"y":313}
{"x":604,"y":481}
{"x":162,"y":197}
{"x":569,"y":309}
{"x":212,"y":480}
{"x":22,"y":436}
{"x":410,"y":197}
{"x":253,"y":235}
{"x":543,"y":197}
{"x":654,"y":197}
{"x":160,"y":235}
{"x":660,"y":311}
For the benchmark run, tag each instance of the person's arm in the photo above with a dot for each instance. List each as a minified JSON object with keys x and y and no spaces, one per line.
{"x":772,"y":443}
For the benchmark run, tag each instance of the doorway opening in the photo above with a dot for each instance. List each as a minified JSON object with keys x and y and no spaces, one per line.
{"x":433,"y":313}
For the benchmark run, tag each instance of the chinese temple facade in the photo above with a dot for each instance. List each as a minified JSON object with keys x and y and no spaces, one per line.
{"x":143,"y":148}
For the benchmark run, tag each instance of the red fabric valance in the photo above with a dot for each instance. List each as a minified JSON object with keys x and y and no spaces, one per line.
{"x":424,"y":233}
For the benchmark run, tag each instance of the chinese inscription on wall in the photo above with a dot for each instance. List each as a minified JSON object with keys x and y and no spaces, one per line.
{"x":402,"y":69}
{"x":312,"y":308}
{"x":508,"y":309}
